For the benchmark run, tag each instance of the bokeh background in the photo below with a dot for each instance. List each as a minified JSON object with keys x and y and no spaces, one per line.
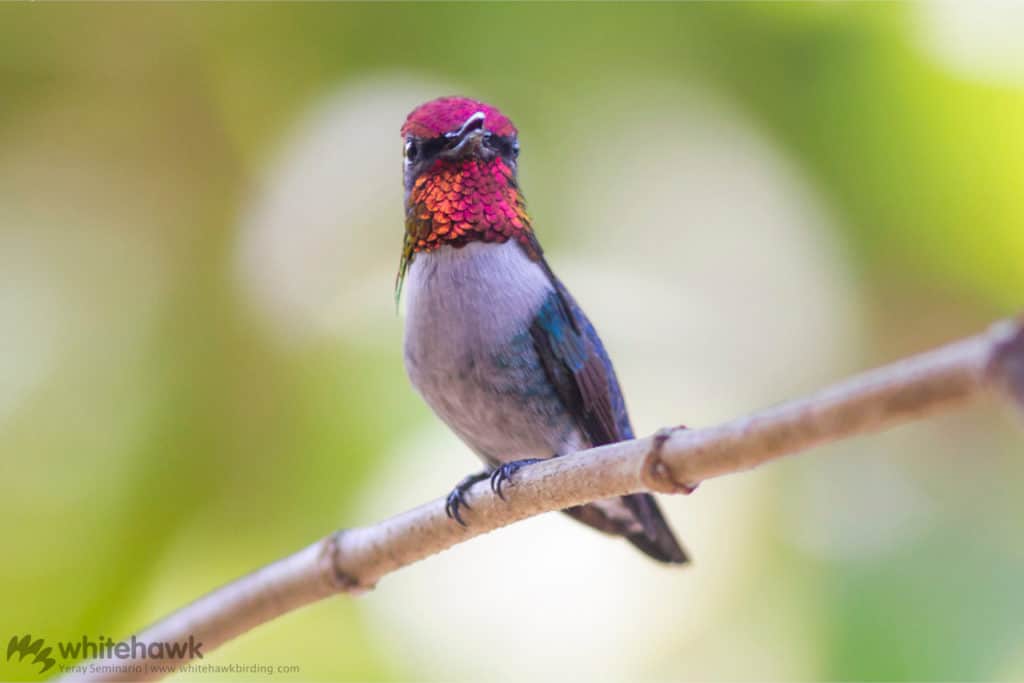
{"x":200,"y":365}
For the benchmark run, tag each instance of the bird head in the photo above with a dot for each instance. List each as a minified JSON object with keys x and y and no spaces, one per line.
{"x":460,"y":179}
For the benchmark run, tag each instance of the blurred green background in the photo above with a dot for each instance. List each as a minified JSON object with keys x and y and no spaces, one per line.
{"x":200,"y":365}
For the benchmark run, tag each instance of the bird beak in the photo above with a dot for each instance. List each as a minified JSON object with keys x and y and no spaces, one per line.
{"x":467,"y":140}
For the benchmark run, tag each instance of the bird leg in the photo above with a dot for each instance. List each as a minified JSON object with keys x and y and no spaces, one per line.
{"x":503,"y":473}
{"x":457,"y":498}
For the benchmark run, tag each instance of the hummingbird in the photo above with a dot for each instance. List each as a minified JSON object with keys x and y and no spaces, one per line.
{"x":494,"y":342}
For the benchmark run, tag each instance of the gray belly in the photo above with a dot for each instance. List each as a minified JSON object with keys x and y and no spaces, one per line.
{"x":469,"y":352}
{"x":498,"y":400}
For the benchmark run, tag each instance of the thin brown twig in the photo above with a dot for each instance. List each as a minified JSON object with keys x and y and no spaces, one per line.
{"x":672,"y":460}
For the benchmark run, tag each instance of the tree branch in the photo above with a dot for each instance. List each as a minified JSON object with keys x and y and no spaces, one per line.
{"x":353,"y":560}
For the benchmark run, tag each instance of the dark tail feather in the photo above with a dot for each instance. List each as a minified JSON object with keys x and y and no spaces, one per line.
{"x":657,"y":539}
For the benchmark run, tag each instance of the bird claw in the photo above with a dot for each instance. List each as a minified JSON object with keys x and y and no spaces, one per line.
{"x":457,"y":498}
{"x":504,"y":473}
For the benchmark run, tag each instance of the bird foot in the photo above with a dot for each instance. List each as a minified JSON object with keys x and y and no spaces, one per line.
{"x":504,"y":473}
{"x":457,"y":498}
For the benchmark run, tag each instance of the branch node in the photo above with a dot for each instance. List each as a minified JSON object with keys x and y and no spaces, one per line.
{"x":1006,"y":366}
{"x":330,"y":563}
{"x":656,"y":474}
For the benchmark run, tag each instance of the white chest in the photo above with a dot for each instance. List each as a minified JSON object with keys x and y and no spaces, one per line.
{"x":469,"y":352}
{"x":467,"y":301}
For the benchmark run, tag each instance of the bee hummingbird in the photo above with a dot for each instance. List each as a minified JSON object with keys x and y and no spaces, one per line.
{"x":494,"y":342}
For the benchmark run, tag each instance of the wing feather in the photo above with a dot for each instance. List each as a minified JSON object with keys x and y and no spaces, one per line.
{"x":578,"y":366}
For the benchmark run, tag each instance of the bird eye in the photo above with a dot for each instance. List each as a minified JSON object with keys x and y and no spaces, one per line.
{"x":505,"y":145}
{"x":412,"y":150}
